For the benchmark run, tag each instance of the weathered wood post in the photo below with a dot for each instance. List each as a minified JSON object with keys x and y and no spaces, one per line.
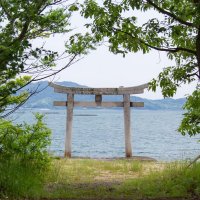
{"x":127,"y":125}
{"x":68,"y":137}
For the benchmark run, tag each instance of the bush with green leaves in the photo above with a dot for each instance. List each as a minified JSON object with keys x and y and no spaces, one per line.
{"x":191,"y":121}
{"x":23,"y":157}
{"x":24,"y":141}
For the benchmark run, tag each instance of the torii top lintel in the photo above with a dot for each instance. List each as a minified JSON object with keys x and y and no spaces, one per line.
{"x":99,"y":91}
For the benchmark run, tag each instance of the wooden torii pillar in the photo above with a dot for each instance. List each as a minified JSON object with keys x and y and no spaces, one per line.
{"x":98,"y":92}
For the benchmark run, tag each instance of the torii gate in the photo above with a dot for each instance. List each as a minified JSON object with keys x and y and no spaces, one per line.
{"x":98,"y":92}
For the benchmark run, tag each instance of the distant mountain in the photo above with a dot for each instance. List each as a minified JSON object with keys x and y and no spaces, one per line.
{"x":45,"y":98}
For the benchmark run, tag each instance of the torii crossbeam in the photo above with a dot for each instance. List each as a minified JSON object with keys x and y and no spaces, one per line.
{"x":98,"y":92}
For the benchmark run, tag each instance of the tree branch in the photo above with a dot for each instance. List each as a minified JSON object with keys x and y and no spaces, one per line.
{"x":58,"y":71}
{"x":172,"y":50}
{"x":24,"y":31}
{"x":171,"y":14}
{"x":198,"y":51}
{"x":193,"y":74}
{"x":194,"y":161}
{"x":16,"y":107}
{"x":6,"y":12}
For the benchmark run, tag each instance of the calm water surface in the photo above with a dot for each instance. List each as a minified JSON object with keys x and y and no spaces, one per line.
{"x":100,"y":133}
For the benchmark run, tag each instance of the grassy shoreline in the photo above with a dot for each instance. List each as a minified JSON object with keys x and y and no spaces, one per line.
{"x":117,"y":179}
{"x":120,"y":179}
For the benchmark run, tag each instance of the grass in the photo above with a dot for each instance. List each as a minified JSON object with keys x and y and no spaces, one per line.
{"x":20,"y":180}
{"x":114,"y":179}
{"x":78,"y":178}
{"x":174,"y":181}
{"x":88,"y":170}
{"x":128,"y":179}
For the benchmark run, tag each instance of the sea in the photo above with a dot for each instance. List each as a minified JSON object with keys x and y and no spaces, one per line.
{"x":99,"y":133}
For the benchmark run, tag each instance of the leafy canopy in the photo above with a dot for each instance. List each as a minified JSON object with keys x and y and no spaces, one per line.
{"x":22,"y":23}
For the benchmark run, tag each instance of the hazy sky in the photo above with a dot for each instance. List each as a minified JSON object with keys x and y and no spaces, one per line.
{"x":101,"y":68}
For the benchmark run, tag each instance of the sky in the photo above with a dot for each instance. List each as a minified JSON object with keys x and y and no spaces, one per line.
{"x":100,"y":68}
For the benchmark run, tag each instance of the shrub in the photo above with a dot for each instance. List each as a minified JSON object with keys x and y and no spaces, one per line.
{"x":24,"y":141}
{"x":23,"y":156}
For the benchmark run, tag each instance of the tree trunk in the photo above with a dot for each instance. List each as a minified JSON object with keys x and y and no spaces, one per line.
{"x":198,"y":51}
